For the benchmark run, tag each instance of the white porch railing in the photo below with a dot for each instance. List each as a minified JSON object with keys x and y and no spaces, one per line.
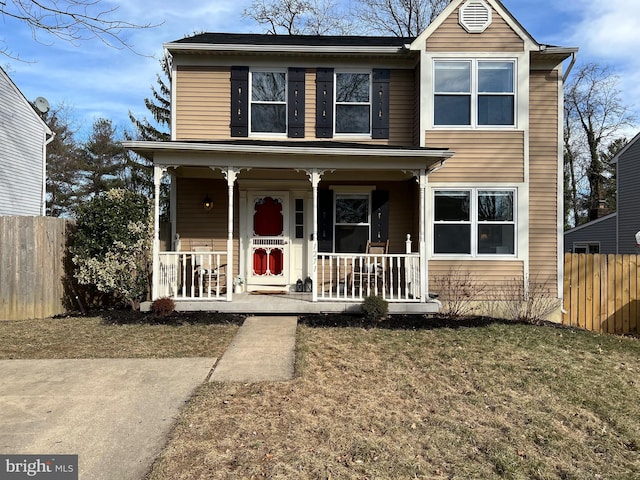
{"x":193,"y":275}
{"x":351,"y":277}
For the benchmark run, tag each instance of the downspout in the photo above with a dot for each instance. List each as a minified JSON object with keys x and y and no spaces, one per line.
{"x":43,"y":194}
{"x":570,"y":67}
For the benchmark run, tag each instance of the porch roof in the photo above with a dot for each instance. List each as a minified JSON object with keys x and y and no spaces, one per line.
{"x":289,"y":154}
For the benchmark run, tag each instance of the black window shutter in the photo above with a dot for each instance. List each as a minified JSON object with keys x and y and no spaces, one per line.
{"x":239,"y":101}
{"x":325,"y":220}
{"x":380,"y":220}
{"x":380,"y":104}
{"x":324,"y":103}
{"x":295,"y":103}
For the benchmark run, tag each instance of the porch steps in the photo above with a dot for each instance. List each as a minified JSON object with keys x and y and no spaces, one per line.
{"x":263,"y":350}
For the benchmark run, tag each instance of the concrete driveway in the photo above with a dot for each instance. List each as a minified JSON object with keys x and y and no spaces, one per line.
{"x":115,"y":414}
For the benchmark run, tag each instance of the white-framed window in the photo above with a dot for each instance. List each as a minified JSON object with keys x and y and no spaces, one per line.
{"x":474,"y":93}
{"x":474,"y":222}
{"x":352,"y":102}
{"x":352,"y":222}
{"x":586,"y":247}
{"x":268,"y":99}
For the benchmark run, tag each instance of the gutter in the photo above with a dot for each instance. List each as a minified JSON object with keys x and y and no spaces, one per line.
{"x":569,"y":51}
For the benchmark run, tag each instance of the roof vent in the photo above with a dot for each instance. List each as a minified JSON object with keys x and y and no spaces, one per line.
{"x":475,"y":16}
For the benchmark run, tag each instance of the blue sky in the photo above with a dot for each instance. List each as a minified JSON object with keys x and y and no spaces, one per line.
{"x":95,"y":81}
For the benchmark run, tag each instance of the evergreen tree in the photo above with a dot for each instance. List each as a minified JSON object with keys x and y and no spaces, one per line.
{"x":103,"y":160}
{"x":63,"y":164}
{"x":140,"y":169}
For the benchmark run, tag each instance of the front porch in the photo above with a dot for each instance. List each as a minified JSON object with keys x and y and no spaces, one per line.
{"x":198,"y":280}
{"x":277,"y":214}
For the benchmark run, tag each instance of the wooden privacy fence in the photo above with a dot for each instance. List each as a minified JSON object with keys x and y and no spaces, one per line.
{"x":602,"y":292}
{"x":32,"y":253}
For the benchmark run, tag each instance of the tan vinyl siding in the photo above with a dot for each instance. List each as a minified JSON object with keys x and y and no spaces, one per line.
{"x":310,"y":104}
{"x":196,"y":225}
{"x":451,"y":37}
{"x":402,"y":103}
{"x":203,"y":106}
{"x":543,"y":190}
{"x":480,"y":155}
{"x":488,"y":276}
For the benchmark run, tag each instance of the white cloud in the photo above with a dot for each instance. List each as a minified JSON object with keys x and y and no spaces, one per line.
{"x":607,"y":33}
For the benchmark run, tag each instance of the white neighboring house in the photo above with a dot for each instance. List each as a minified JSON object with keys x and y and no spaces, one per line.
{"x":23,"y":151}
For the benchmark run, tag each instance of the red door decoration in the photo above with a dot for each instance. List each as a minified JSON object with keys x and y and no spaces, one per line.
{"x":268,"y":222}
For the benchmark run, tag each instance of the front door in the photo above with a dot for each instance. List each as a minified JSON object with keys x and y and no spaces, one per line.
{"x":268,"y":239}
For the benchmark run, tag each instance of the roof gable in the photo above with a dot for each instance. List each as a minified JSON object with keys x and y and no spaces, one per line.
{"x":629,"y":144}
{"x":18,"y":93}
{"x":498,"y":14}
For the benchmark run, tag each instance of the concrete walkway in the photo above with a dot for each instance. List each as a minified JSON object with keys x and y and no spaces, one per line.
{"x":263,"y":350}
{"x":114,"y":414}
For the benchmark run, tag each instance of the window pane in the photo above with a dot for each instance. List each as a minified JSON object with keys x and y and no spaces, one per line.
{"x":268,"y":118}
{"x":351,"y":239}
{"x":495,"y":110}
{"x":453,"y":77}
{"x":352,"y":119}
{"x":495,"y":77}
{"x":352,"y":210}
{"x":352,"y":87}
{"x":496,"y":239}
{"x":452,"y":110}
{"x":495,"y":206}
{"x":268,"y":86}
{"x":452,"y":206}
{"x":452,"y":238}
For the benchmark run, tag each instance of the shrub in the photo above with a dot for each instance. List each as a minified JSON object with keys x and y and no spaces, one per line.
{"x":528,"y":300}
{"x":375,"y":307}
{"x":163,"y":306}
{"x":111,"y":247}
{"x":458,"y":291}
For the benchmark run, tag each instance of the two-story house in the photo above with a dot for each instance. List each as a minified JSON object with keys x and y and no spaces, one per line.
{"x":349,"y":166}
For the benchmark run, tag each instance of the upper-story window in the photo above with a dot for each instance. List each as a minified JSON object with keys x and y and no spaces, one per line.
{"x":268,"y":102}
{"x":474,"y":93}
{"x":353,"y":103}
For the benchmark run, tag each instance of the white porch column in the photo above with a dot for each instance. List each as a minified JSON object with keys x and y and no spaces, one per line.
{"x":314,"y":176}
{"x":315,"y":180}
{"x":424,"y":274}
{"x":231,"y":174}
{"x":158,"y":172}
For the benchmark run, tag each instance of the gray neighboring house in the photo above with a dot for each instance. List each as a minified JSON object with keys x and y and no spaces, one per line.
{"x":23,"y":152}
{"x":616,"y":232}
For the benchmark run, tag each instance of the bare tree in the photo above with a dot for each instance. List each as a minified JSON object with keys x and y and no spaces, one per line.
{"x":298,"y":17}
{"x":69,"y":20}
{"x":594,"y":107}
{"x":402,"y":18}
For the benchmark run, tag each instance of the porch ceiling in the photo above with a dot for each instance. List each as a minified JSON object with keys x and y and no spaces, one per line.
{"x":293,"y":154}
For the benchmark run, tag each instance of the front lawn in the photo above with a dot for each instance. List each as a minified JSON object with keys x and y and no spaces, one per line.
{"x":489,"y":401}
{"x":118,"y":335}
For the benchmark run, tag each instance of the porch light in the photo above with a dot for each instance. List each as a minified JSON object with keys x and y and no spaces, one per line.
{"x":207,"y":203}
